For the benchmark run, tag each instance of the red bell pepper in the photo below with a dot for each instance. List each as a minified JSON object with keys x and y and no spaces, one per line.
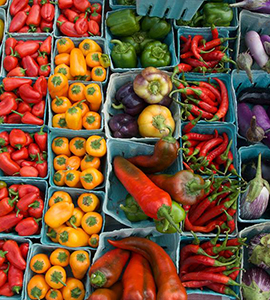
{"x":35,"y":55}
{"x":18,"y":21}
{"x":4,"y":138}
{"x":11,"y":84}
{"x":24,"y":248}
{"x":16,"y":6}
{"x":28,"y":171}
{"x":96,"y":7}
{"x":33,"y":150}
{"x":36,"y":209}
{"x":47,"y":12}
{"x":2,"y":256}
{"x":82,"y":5}
{"x":7,"y":106}
{"x":13,"y":119}
{"x":7,"y":222}
{"x":26,"y":200}
{"x":3,"y":193}
{"x":34,"y":17}
{"x":24,"y":29}
{"x":17,"y":138}
{"x":7,"y":94}
{"x":6,"y":206}
{"x":68,"y":29}
{"x":96,"y":17}
{"x":10,"y":62}
{"x":20,"y":154}
{"x":18,"y":72}
{"x":26,"y":8}
{"x":7,"y":165}
{"x":71,"y":15}
{"x":46,"y":46}
{"x":29,"y":94}
{"x":29,"y":118}
{"x":24,"y":107}
{"x":14,"y":255}
{"x":42,"y":59}
{"x":41,"y":166}
{"x":30,"y":65}
{"x":28,"y":226}
{"x":27,"y":189}
{"x":46,"y":26}
{"x":6,"y":291}
{"x":93,"y":28}
{"x":39,"y":109}
{"x":41,"y":86}
{"x":41,"y":139}
{"x":81,"y":25}
{"x":44,"y":70}
{"x":61,"y":20}
{"x":15,"y":279}
{"x":63,"y":4}
{"x":10,"y":44}
{"x":26,"y":48}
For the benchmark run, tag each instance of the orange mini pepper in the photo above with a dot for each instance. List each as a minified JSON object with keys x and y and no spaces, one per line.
{"x":76,"y":218}
{"x":98,"y":74}
{"x":54,"y":295}
{"x":59,"y":178}
{"x":91,"y":120}
{"x":91,"y":178}
{"x":88,"y":46}
{"x":77,"y":146}
{"x":60,"y":145}
{"x":73,"y":163}
{"x":88,"y":202}
{"x":90,"y":162}
{"x":92,"y":59}
{"x":58,"y":85}
{"x":76,"y":92}
{"x":94,"y":240}
{"x":59,"y":121}
{"x":83,"y":106}
{"x":72,"y":178}
{"x":56,"y":277}
{"x":40,"y":263}
{"x":65,"y":45}
{"x":96,"y":146}
{"x":37,"y":287}
{"x":63,"y":58}
{"x":77,"y":63}
{"x":73,"y":118}
{"x":65,"y":70}
{"x":54,"y":233}
{"x":59,"y":162}
{"x":92,"y":222}
{"x":60,"y":257}
{"x":79,"y":263}
{"x":94,"y":96}
{"x":59,"y":196}
{"x":60,"y":105}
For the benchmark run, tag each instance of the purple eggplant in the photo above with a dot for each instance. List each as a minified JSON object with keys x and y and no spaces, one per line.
{"x":130,"y":102}
{"x":266,"y":43}
{"x":255,"y":95}
{"x":261,"y":6}
{"x":259,"y":250}
{"x":123,"y":126}
{"x":262,"y":118}
{"x":166,"y":101}
{"x":244,"y":115}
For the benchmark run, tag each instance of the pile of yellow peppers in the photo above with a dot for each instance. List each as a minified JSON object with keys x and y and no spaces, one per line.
{"x":85,"y":63}
{"x":74,"y":225}
{"x":51,"y":279}
{"x":77,"y":161}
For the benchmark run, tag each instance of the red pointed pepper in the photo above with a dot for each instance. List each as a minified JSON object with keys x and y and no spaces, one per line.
{"x":29,"y":139}
{"x":3,"y":277}
{"x":46,"y":26}
{"x":16,"y":6}
{"x":38,"y":109}
{"x":7,"y":165}
{"x":81,"y":25}
{"x":93,"y":27}
{"x":33,"y":150}
{"x":27,"y":189}
{"x":13,"y":189}
{"x":96,"y":7}
{"x":19,"y":72}
{"x":24,"y":248}
{"x":41,"y":139}
{"x":10,"y":44}
{"x":26,"y":48}
{"x":14,"y":255}
{"x":34,"y":17}
{"x":41,"y":86}
{"x":61,"y":20}
{"x":46,"y":46}
{"x":25,"y":201}
{"x":24,"y":107}
{"x":6,"y":206}
{"x":2,"y":256}
{"x":13,"y":119}
{"x":68,"y":28}
{"x":29,"y":118}
{"x":30,"y":65}
{"x":11,"y":84}
{"x":7,"y":94}
{"x":65,"y":4}
{"x":82,"y":5}
{"x":36,"y":209}
{"x":7,"y":222}
{"x":15,"y":279}
{"x":24,"y":29}
{"x":29,"y":171}
{"x":96,"y":17}
{"x":47,"y":12}
{"x":27,"y":163}
{"x":10,"y":62}
{"x":6,"y":291}
{"x":41,"y":166}
{"x":29,"y":94}
{"x":71,"y":15}
{"x":44,"y":70}
{"x":17,"y":138}
{"x":4,"y":138}
{"x":18,"y":21}
{"x":42,"y":59}
{"x":7,"y":106}
{"x":28,"y":226}
{"x":3,"y":193}
{"x":26,"y":8}
{"x":20,"y":154}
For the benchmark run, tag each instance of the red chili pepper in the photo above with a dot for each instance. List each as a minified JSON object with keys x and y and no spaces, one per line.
{"x":183,"y":38}
{"x":46,"y":26}
{"x":93,"y":28}
{"x":210,"y":87}
{"x":7,"y":165}
{"x":7,"y":106}
{"x":96,"y":17}
{"x":6,"y":291}
{"x":204,"y":105}
{"x":65,"y":4}
{"x":30,"y":65}
{"x":41,"y":139}
{"x":34,"y":17}
{"x":46,"y":46}
{"x":209,"y":145}
{"x":196,"y":63}
{"x":197,"y":136}
{"x":11,"y":84}
{"x":44,"y":70}
{"x":23,"y":107}
{"x":4,"y":138}
{"x":28,"y":226}
{"x":24,"y":248}
{"x":41,"y":86}
{"x":68,"y":28}
{"x":39,"y":109}
{"x":14,"y":255}
{"x":29,"y":118}
{"x":190,"y":125}
{"x":82,"y":5}
{"x":194,"y":46}
{"x":81,"y":25}
{"x":10,"y":44}
{"x":96,"y":7}
{"x":36,"y":209}
{"x":191,"y":249}
{"x":19,"y":72}
{"x":222,"y":289}
{"x":195,"y":110}
{"x":3,"y":193}
{"x":29,"y":94}
{"x":187,"y":45}
{"x":71,"y":15}
{"x":24,"y":29}
{"x":217,"y":55}
{"x":15,"y":279}
{"x":18,"y":21}
{"x":214,"y":32}
{"x":196,"y":284}
{"x":29,"y":171}
{"x":26,"y":48}
{"x":10,"y":62}
{"x":16,"y":6}
{"x":47,"y":12}
{"x":41,"y":166}
{"x":2,"y":255}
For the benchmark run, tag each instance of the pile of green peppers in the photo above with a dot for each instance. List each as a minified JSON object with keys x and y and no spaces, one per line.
{"x":140,"y":38}
{"x":217,"y":13}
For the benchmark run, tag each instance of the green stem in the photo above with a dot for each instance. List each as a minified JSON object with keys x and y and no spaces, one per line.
{"x":194,"y":186}
{"x":98,"y":279}
{"x":163,"y":213}
{"x":120,"y":106}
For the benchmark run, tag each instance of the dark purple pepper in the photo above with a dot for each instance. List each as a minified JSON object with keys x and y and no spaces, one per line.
{"x":123,"y":126}
{"x":166,"y":101}
{"x":130,"y":102}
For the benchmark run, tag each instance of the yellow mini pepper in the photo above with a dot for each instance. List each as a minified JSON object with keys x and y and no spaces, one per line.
{"x":60,"y":145}
{"x":58,"y":214}
{"x":83,"y":106}
{"x":76,"y":91}
{"x":76,"y":218}
{"x":74,"y":118}
{"x":77,"y":146}
{"x":37,"y":287}
{"x":90,"y":162}
{"x":59,"y":162}
{"x":65,"y":70}
{"x":94,"y":240}
{"x":96,"y":146}
{"x":77,"y":63}
{"x":60,"y":105}
{"x":71,"y":237}
{"x":73,"y":163}
{"x":79,"y":262}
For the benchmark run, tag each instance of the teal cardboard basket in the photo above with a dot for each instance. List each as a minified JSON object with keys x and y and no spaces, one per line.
{"x":100,"y":41}
{"x":30,"y":129}
{"x":114,"y":5}
{"x":245,"y":155}
{"x":5,"y":5}
{"x":115,"y":192}
{"x":117,"y":81}
{"x":169,"y":40}
{"x":43,"y":187}
{"x":65,"y":131}
{"x":4,"y":18}
{"x":75,"y":194}
{"x":44,"y":249}
{"x":19,"y":240}
{"x":69,"y":136}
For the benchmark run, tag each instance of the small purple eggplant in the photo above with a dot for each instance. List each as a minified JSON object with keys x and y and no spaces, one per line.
{"x":262,"y":118}
{"x":131,"y":103}
{"x":124,"y":126}
{"x":261,"y":6}
{"x":244,"y":115}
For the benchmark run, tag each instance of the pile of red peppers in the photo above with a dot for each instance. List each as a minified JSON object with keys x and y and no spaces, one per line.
{"x":23,"y":154}
{"x":31,"y":16}
{"x":79,"y":18}
{"x":12,"y":267}
{"x":22,"y":101}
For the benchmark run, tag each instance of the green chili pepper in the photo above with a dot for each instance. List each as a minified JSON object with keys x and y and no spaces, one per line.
{"x":123,"y":55}
{"x":138,"y":40}
{"x":155,"y":54}
{"x":156,"y":28}
{"x":132,"y":210}
{"x":178,"y":215}
{"x":219,"y":14}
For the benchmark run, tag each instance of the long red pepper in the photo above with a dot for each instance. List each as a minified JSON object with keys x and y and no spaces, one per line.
{"x":196,"y":284}
{"x":204,"y":105}
{"x":222,"y":289}
{"x":204,"y":229}
{"x":14,"y":255}
{"x":188,"y":127}
{"x":196,"y":63}
{"x":204,"y":84}
{"x":214,"y":277}
{"x":196,"y":110}
{"x":190,"y":249}
{"x":187,"y":45}
{"x":209,"y":145}
{"x":15,"y":279}
{"x":197,"y":136}
{"x":217,"y":55}
{"x":194,"y":46}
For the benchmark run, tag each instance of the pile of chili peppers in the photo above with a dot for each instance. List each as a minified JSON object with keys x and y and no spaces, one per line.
{"x":79,"y":18}
{"x":23,"y":154}
{"x":201,"y":99}
{"x":21,"y":208}
{"x":201,"y":56}
{"x":31,"y":16}
{"x":30,"y":58}
{"x":20,"y":102}
{"x":12,"y":266}
{"x":212,"y":264}
{"x":216,"y":208}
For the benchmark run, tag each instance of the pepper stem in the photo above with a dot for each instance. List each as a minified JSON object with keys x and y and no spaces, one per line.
{"x":196,"y":240}
{"x":163,"y":213}
{"x":194,"y":186}
{"x":120,"y":106}
{"x":215,"y":239}
{"x":128,"y":209}
{"x":98,"y":279}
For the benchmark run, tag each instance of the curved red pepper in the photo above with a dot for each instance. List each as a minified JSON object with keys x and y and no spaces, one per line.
{"x":29,"y":118}
{"x":4,"y":138}
{"x":47,"y":12}
{"x":15,"y":279}
{"x":26,"y":48}
{"x":7,"y":106}
{"x":16,"y":6}
{"x":17,"y":138}
{"x":29,"y":94}
{"x":46,"y":26}
{"x":44,"y":70}
{"x":14,"y":255}
{"x":39,"y":109}
{"x":81,"y":25}
{"x":8,"y":222}
{"x":27,"y":189}
{"x":68,"y":29}
{"x":41,"y":139}
{"x":93,"y":27}
{"x":20,"y":154}
{"x":65,"y":4}
{"x":24,"y":107}
{"x":36,"y":209}
{"x":82,"y":5}
{"x":46,"y":46}
{"x":41,"y":86}
{"x":30,"y":65}
{"x":7,"y":165}
{"x":41,"y":166}
{"x":26,"y":200}
{"x":10,"y":44}
{"x":24,"y":248}
{"x":28,"y":226}
{"x":71,"y":15}
{"x":6,"y":206}
{"x":19,"y":72}
{"x":34,"y":17}
{"x":61,"y":20}
{"x":11,"y":84}
{"x":18,"y":21}
{"x":10,"y":62}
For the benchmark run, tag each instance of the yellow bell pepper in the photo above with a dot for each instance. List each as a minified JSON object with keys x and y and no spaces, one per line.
{"x":153,"y":120}
{"x":94,"y":240}
{"x":54,"y":295}
{"x":59,"y":162}
{"x":93,"y":95}
{"x":56,"y":277}
{"x":40,"y":263}
{"x":59,"y":196}
{"x":59,"y":178}
{"x":76,"y":91}
{"x":63,"y":58}
{"x":58,"y":214}
{"x":76,"y":218}
{"x":37,"y":287}
{"x":91,"y":178}
{"x":92,"y":222}
{"x":74,"y":238}
{"x":72,"y":178}
{"x":96,"y":146}
{"x":58,"y":85}
{"x":88,"y":202}
{"x":83,"y":106}
{"x":65,"y":45}
{"x":60,"y":145}
{"x":77,"y":146}
{"x":74,"y":118}
{"x":79,"y":263}
{"x":53,"y":233}
{"x":87,"y":46}
{"x":77,"y":63}
{"x":60,"y":105}
{"x":90,"y":162}
{"x":65,"y":70}
{"x":60,"y":257}
{"x":59,"y":121}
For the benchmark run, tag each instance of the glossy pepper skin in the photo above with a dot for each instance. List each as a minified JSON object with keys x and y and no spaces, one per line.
{"x":165,"y":274}
{"x":132,"y":210}
{"x":123,"y":22}
{"x":219,"y":14}
{"x":123,"y":55}
{"x":194,"y":22}
{"x":138,"y":40}
{"x":156,"y":54}
{"x":184,"y":187}
{"x":165,"y":154}
{"x":123,"y":126}
{"x":106,"y":270}
{"x":14,"y":255}
{"x":155,"y":27}
{"x":129,"y":100}
{"x":113,"y":293}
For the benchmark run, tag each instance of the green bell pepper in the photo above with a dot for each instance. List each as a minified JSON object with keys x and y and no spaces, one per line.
{"x":219,"y":14}
{"x":155,"y":54}
{"x":126,"y":2}
{"x":138,"y":40}
{"x":123,"y":55}
{"x":194,"y":22}
{"x":156,"y":28}
{"x":178,"y":215}
{"x":132,"y":210}
{"x":123,"y":22}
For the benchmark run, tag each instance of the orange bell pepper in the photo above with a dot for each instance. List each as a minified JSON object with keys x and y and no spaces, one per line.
{"x":94,"y":96}
{"x":96,"y":146}
{"x":90,"y":162}
{"x":91,"y":178}
{"x":91,"y":121}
